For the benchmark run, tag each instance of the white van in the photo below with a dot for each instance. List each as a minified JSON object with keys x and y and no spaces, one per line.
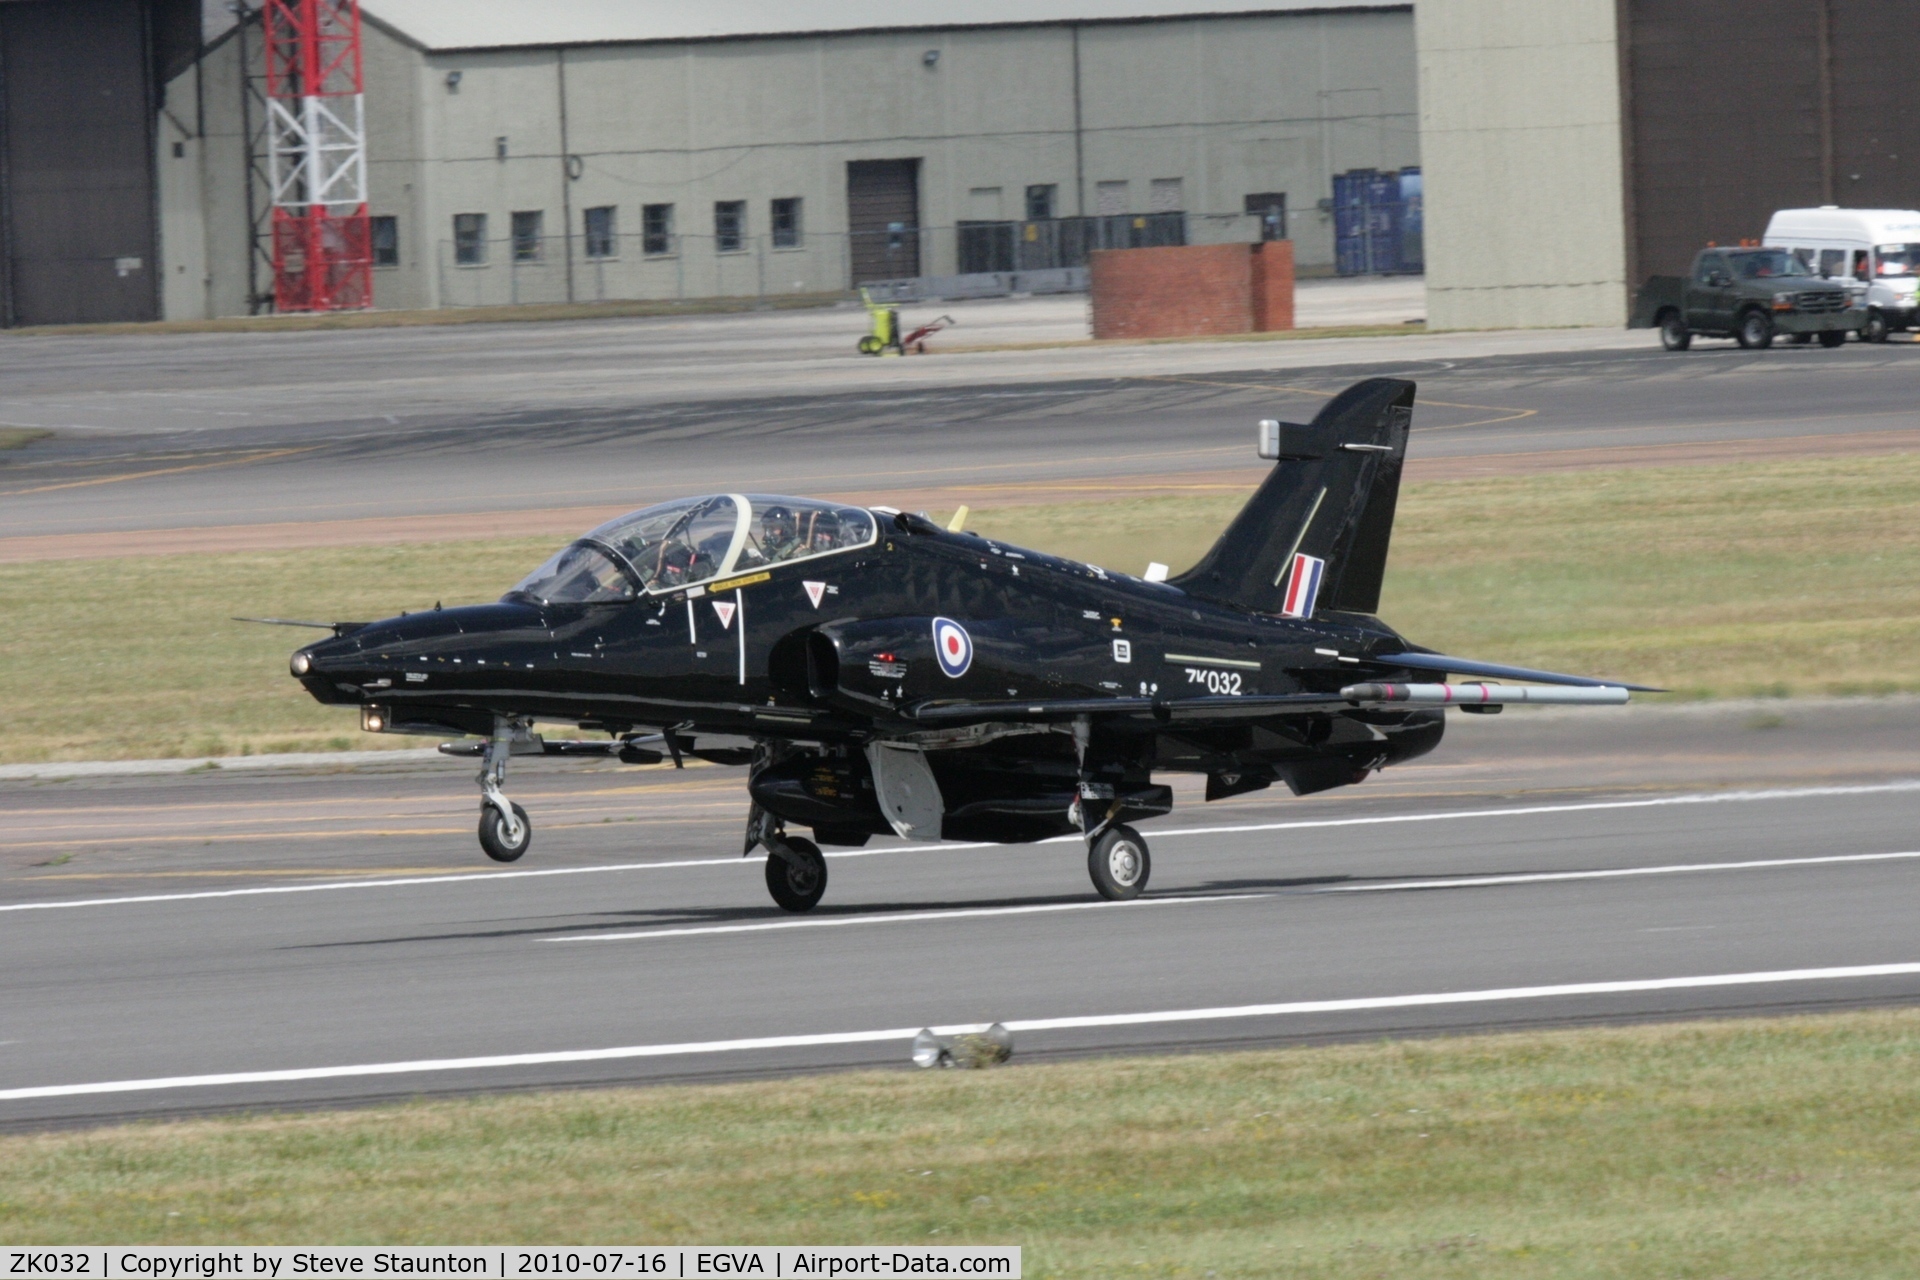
{"x":1875,"y":248}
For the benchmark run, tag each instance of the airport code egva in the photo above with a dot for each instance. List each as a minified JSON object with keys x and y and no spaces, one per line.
{"x":498,"y":1262}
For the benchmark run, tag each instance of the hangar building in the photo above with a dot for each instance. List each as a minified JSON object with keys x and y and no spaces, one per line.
{"x":1574,"y":148}
{"x":537,"y":149}
{"x":525,"y":151}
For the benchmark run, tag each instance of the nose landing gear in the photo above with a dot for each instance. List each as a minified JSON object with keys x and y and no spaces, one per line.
{"x":505,"y":830}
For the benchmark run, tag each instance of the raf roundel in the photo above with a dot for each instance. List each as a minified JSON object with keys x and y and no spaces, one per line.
{"x":953,"y":646}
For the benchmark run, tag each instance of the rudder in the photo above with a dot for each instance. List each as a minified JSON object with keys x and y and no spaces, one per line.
{"x":1326,"y":510}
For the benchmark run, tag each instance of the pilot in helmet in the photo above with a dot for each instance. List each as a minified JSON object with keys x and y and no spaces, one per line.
{"x":778,"y":533}
{"x":826,"y":531}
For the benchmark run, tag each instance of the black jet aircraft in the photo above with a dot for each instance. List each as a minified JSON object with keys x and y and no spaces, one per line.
{"x":879,"y":674}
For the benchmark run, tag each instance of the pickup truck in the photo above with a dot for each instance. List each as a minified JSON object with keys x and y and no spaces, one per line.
{"x":1748,"y":295}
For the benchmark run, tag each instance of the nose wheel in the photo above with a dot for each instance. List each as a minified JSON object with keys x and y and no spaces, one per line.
{"x":505,"y":830}
{"x":504,"y":839}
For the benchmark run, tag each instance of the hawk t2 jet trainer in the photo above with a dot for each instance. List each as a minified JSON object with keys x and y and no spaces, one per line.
{"x":881,"y":675}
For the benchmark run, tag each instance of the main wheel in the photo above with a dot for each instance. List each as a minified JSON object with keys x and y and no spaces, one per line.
{"x":1876,"y":328}
{"x":797,"y":886}
{"x":1118,"y":863}
{"x":1755,"y":331}
{"x":1673,"y":332}
{"x":1832,"y":337}
{"x":871,"y":346}
{"x":497,"y":838}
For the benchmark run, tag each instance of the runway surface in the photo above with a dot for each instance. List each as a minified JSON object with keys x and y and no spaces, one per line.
{"x":174,"y":944}
{"x":220,"y":442}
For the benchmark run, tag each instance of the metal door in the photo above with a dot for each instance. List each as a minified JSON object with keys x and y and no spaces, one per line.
{"x":883,"y":219}
{"x":76,"y":162}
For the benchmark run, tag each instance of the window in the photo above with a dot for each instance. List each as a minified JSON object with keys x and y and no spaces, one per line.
{"x":385,"y":236}
{"x":526,"y":235}
{"x":1271,"y":208}
{"x":1833,"y":263}
{"x":470,"y":239}
{"x":656,"y":228}
{"x":1897,"y":259}
{"x":798,"y":528}
{"x":600,"y":231}
{"x":1710,"y":266}
{"x":1040,"y":202}
{"x":1166,"y":195}
{"x":1110,"y":198}
{"x":786,"y":223}
{"x":729,"y":225}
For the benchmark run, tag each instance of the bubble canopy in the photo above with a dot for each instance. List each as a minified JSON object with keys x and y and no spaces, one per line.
{"x":681,"y":544}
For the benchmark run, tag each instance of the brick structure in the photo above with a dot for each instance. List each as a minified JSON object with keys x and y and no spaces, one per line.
{"x":1272,"y":286}
{"x":1191,"y":291}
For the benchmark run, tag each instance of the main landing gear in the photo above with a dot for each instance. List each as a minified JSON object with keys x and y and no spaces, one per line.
{"x":796,"y":869}
{"x":505,"y":830}
{"x":1117,"y":857}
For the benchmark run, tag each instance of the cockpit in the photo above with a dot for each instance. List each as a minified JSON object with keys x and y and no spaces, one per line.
{"x":681,"y":544}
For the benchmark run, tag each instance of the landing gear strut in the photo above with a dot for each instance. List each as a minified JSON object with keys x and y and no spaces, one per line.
{"x":1117,"y":858}
{"x":505,"y":830}
{"x":796,"y":869}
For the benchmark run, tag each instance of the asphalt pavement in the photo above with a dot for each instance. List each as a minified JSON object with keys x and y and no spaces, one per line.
{"x":216,"y":441}
{"x":331,"y":934}
{"x":191,"y":943}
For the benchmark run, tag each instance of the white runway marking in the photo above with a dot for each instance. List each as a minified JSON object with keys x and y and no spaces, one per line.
{"x":902,"y":1034}
{"x":907,"y":917}
{"x":1720,"y":797}
{"x":1682,"y":868}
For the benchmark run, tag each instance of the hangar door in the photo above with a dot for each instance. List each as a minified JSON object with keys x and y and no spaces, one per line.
{"x":1740,"y":107}
{"x":883,"y":219}
{"x":76,"y":162}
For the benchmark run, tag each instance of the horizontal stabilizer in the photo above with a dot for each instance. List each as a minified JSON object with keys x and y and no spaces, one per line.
{"x":1469,"y":667}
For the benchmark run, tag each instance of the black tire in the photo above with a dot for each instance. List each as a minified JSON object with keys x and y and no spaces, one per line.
{"x":1876,"y":328}
{"x":496,"y":839}
{"x":1119,"y":863}
{"x":1831,"y":338}
{"x":1754,"y":330}
{"x":871,"y":346}
{"x":797,"y":888}
{"x":1674,"y":335}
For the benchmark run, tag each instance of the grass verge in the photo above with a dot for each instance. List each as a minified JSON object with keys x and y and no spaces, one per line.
{"x":1787,"y":1147}
{"x":1756,"y":578}
{"x":19,"y":437}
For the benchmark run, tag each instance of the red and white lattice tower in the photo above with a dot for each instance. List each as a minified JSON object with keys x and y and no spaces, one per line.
{"x":317,"y":156}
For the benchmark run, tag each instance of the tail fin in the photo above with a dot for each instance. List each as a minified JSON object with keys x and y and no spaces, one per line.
{"x":1314,"y":536}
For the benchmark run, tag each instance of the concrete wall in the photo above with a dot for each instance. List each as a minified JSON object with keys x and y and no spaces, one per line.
{"x":1520,"y":119}
{"x":1228,"y":106}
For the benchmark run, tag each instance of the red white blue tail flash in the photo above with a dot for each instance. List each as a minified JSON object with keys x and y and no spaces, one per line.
{"x":1303,"y":587}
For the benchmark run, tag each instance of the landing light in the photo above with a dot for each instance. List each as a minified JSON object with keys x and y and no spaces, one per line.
{"x":301,"y":663}
{"x":373,"y":719}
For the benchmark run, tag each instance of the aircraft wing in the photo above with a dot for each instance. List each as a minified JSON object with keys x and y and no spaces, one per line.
{"x":1443,"y":663}
{"x":1248,"y":707}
